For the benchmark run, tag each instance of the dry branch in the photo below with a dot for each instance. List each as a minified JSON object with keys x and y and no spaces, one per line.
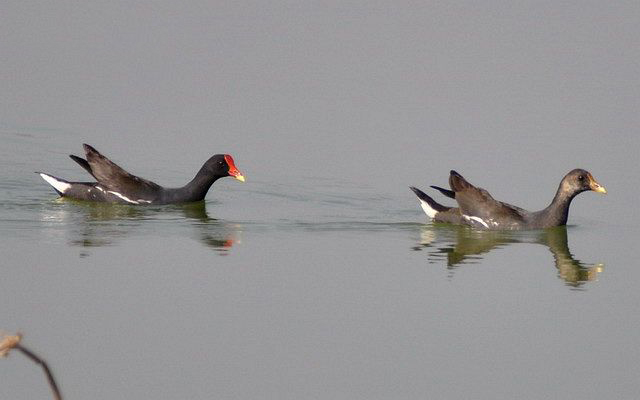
{"x":9,"y":342}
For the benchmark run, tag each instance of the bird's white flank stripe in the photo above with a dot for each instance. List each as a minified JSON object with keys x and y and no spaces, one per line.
{"x":58,"y":185}
{"x":125,"y":198}
{"x":477,"y":219}
{"x":427,"y":209}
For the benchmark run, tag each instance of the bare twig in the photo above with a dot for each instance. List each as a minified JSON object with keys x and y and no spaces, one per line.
{"x":9,"y":342}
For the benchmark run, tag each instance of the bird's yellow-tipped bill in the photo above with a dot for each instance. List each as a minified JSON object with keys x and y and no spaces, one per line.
{"x":600,"y":189}
{"x":233,"y":171}
{"x":596,"y":187}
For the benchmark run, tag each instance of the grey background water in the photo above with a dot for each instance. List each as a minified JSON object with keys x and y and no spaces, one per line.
{"x":320,"y":277}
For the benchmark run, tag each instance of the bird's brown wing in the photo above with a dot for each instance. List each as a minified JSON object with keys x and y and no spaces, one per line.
{"x":114,"y":178}
{"x":477,"y":202}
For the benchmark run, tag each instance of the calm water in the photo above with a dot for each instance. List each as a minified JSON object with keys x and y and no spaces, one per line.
{"x":311,"y":288}
{"x":319,"y":278}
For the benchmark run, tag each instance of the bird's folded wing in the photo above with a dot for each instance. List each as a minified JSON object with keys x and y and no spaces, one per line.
{"x":113,"y":177}
{"x":477,"y":202}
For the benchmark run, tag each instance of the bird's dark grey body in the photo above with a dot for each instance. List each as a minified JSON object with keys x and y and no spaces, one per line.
{"x":477,"y":208}
{"x":115,"y":185}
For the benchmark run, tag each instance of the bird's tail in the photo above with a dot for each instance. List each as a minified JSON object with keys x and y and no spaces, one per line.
{"x":60,"y":185}
{"x":429,"y":205}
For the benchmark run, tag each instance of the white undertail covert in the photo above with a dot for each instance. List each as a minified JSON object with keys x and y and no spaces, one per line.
{"x":59,"y":185}
{"x":427,"y":209}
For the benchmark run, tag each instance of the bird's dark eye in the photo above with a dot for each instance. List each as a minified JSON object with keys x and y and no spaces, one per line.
{"x":581,"y":178}
{"x":220,"y":163}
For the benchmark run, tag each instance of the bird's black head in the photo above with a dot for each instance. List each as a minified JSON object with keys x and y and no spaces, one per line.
{"x":580,"y":180}
{"x":223,"y":165}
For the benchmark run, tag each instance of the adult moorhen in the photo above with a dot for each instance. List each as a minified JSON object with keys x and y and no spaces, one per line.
{"x":115,"y":185}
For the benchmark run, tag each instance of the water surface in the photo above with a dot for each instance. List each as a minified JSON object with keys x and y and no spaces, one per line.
{"x":320,"y":277}
{"x":305,"y":289}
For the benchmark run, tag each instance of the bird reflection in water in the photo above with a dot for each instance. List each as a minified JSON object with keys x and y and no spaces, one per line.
{"x":214,"y":233}
{"x":459,"y":245}
{"x":101,"y":224}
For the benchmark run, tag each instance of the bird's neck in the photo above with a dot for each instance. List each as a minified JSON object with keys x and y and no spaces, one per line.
{"x":196,"y":189}
{"x":558,"y":211}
